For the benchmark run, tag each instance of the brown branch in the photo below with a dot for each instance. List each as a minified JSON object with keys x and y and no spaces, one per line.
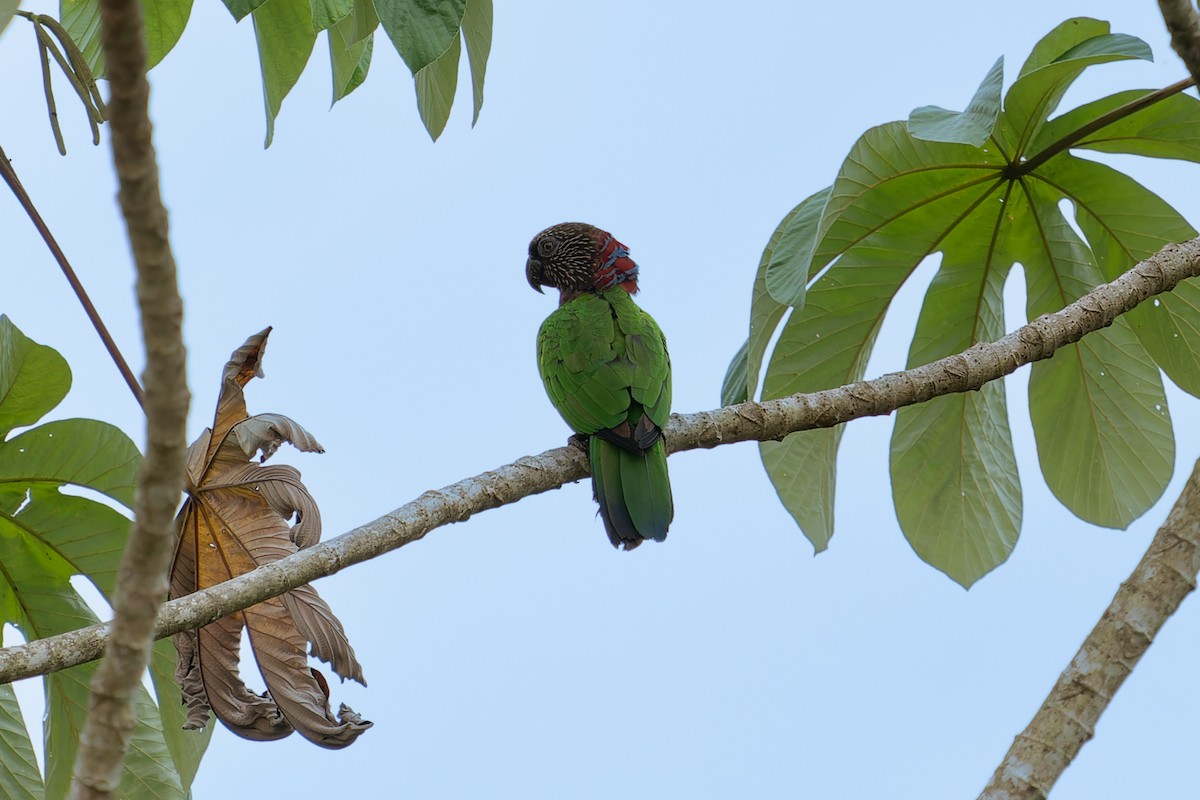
{"x":1103,"y":121}
{"x":531,"y":475}
{"x":1067,"y":719}
{"x":14,"y":183}
{"x":142,"y":579}
{"x":1184,"y":26}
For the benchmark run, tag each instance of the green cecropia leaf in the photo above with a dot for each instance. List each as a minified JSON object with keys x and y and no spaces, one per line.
{"x":46,"y":537}
{"x":983,"y":188}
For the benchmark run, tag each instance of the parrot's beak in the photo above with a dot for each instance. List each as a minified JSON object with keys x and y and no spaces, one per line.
{"x":533,"y":274}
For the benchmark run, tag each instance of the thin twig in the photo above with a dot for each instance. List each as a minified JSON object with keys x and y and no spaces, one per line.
{"x":750,"y":421}
{"x":14,"y":183}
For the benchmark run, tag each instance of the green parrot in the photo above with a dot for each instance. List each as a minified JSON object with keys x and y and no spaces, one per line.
{"x":605,"y":366}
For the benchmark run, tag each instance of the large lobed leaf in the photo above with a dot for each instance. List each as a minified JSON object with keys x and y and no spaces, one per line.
{"x":46,"y":537}
{"x":235,"y":519}
{"x":982,"y":187}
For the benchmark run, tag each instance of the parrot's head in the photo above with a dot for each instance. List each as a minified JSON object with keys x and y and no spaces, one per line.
{"x":575,"y":257}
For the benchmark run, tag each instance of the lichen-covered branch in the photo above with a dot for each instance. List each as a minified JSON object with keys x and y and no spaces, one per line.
{"x":1067,"y":719}
{"x":1184,"y":26}
{"x":535,"y":474}
{"x":142,"y":579}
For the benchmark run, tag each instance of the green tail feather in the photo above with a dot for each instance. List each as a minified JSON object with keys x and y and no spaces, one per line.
{"x":634,"y":492}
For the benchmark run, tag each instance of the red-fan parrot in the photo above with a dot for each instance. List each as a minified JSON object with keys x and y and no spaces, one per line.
{"x":605,"y":366}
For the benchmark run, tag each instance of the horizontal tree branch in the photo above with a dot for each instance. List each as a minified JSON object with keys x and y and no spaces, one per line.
{"x":772,"y":419}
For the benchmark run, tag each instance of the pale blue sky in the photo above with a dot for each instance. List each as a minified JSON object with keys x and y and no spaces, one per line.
{"x":518,"y":655}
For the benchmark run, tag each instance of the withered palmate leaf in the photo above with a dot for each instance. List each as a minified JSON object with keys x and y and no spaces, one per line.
{"x":236,"y":518}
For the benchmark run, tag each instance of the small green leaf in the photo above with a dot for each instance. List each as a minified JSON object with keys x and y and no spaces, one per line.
{"x":242,"y":8}
{"x":436,"y":84}
{"x":1125,"y":223}
{"x":1170,"y":128}
{"x":164,"y":21}
{"x":477,"y":33}
{"x":825,"y":346}
{"x":19,"y":775}
{"x":1111,"y":47}
{"x":1058,"y":41}
{"x":1035,"y":95}
{"x":363,"y":20}
{"x":954,"y":475}
{"x":803,"y":470}
{"x":81,"y":19}
{"x":283,"y":29}
{"x":46,"y":537}
{"x":733,"y":388}
{"x":787,"y":270}
{"x":1099,"y":413}
{"x":326,"y":13}
{"x":82,"y":452}
{"x":973,"y":126}
{"x":881,"y":223}
{"x":33,"y":378}
{"x":48,"y":606}
{"x":959,"y":508}
{"x":421,"y":31}
{"x":766,"y":311}
{"x":350,"y":61}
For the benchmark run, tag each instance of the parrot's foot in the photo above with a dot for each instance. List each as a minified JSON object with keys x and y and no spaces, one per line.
{"x":579,"y":441}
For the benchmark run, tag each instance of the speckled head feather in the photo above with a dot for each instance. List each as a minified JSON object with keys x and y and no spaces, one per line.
{"x":575,"y":257}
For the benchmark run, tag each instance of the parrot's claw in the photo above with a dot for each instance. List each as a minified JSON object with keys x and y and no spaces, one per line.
{"x":579,"y":441}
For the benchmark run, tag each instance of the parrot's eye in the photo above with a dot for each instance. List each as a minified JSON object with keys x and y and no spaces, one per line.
{"x":546,"y":247}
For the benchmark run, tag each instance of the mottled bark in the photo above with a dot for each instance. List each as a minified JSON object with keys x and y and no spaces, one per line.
{"x":142,"y":580}
{"x":535,"y":474}
{"x":1184,"y":25}
{"x":1067,"y":719}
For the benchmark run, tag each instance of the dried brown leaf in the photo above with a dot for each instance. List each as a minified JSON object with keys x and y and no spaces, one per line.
{"x":236,"y":518}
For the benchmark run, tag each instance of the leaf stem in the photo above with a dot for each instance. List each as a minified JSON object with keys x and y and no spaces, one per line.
{"x":1070,"y":139}
{"x":14,"y":183}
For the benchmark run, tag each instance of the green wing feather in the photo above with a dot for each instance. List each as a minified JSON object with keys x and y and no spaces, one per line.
{"x":604,"y":361}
